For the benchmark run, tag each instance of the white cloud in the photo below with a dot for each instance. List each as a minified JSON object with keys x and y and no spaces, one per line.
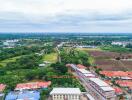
{"x":64,"y":12}
{"x":47,"y":7}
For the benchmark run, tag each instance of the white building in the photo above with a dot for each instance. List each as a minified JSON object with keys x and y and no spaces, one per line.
{"x":65,"y":94}
{"x":101,"y":88}
{"x":84,"y":74}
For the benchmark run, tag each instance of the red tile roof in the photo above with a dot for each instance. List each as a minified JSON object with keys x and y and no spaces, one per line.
{"x":81,"y":66}
{"x":116,"y":73}
{"x":124,"y":83}
{"x":118,"y":90}
{"x":32,"y":85}
{"x":2,"y":87}
{"x":108,"y":82}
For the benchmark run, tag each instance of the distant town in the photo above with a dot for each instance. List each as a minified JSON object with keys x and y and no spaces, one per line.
{"x":65,"y":66}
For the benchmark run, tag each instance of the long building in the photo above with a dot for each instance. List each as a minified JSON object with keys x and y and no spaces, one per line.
{"x":105,"y":91}
{"x":96,"y":86}
{"x":65,"y":94}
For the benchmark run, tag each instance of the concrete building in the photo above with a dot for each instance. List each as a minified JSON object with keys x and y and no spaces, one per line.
{"x":66,"y":94}
{"x":102,"y":89}
{"x":84,"y":74}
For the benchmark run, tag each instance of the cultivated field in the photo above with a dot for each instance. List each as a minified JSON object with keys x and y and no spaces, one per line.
{"x":106,"y":60}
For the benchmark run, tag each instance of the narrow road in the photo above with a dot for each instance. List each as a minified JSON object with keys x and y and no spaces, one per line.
{"x":83,"y":82}
{"x":58,"y":52}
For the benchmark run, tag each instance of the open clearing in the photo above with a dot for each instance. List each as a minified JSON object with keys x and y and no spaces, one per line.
{"x":4,"y":62}
{"x":52,"y":57}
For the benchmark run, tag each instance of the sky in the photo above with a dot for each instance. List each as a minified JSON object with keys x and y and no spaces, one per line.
{"x":66,"y":16}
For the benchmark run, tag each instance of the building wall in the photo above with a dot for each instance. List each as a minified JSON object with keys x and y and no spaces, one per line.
{"x":65,"y":97}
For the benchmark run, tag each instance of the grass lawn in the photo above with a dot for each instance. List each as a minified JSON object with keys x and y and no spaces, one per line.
{"x":52,"y":57}
{"x":4,"y":62}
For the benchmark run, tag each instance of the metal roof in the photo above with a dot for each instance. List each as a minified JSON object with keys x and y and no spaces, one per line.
{"x":84,"y":71}
{"x":25,"y":95}
{"x":89,"y":75}
{"x":99,"y":82}
{"x":65,"y":91}
{"x":108,"y":88}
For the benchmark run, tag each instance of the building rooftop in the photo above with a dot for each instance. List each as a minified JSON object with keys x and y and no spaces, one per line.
{"x":118,"y":90}
{"x":89,"y":75}
{"x":25,"y":95}
{"x":81,"y":66}
{"x":65,"y":91}
{"x":124,"y":83}
{"x":32,"y":85}
{"x":107,"y":88}
{"x":116,"y":73}
{"x":99,"y":82}
{"x":84,"y":71}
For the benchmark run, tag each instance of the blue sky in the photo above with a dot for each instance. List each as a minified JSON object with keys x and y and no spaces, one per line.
{"x":66,"y":16}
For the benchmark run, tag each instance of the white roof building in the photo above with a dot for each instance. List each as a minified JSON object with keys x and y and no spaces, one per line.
{"x":65,"y":94}
{"x":107,"y":89}
{"x":84,"y":71}
{"x":89,"y":75}
{"x":99,"y":82}
{"x":65,"y":91}
{"x":102,"y":89}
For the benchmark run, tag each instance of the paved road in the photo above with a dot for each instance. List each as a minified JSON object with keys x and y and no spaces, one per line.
{"x":86,"y":88}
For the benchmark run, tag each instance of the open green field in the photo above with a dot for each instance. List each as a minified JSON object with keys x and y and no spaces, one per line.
{"x":52,"y":57}
{"x":4,"y":62}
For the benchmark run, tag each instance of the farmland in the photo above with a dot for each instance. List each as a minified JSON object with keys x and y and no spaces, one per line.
{"x":106,"y":60}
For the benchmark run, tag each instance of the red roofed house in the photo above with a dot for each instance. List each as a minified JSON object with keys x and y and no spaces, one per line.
{"x":81,"y":66}
{"x":118,"y":91}
{"x":32,"y":85}
{"x":117,"y":74}
{"x":124,"y":83}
